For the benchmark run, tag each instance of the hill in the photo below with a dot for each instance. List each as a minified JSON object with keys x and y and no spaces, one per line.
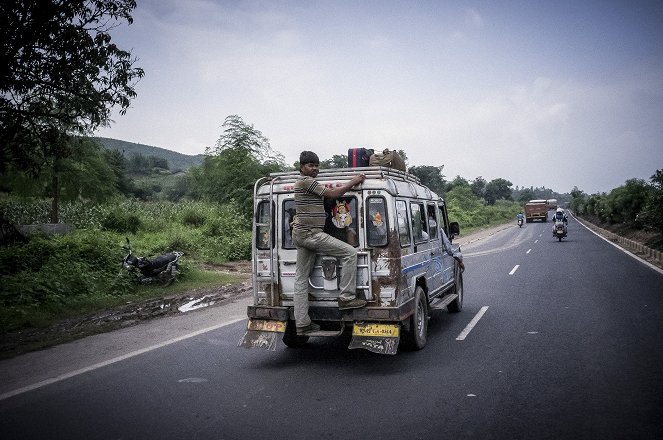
{"x":176,"y":161}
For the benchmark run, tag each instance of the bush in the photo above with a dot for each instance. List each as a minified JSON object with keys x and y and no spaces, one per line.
{"x":122,"y":222}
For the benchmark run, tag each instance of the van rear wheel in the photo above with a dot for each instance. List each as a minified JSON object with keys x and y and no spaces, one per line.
{"x":290,"y":337}
{"x":416,"y":337}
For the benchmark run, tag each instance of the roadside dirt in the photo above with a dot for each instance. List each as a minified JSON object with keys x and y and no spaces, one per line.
{"x":18,"y":342}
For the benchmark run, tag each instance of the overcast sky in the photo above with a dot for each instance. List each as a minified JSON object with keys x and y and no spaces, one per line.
{"x":542,"y":93}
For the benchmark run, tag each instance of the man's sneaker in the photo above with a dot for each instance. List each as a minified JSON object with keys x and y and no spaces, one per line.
{"x":354,"y":303}
{"x":312,"y":327}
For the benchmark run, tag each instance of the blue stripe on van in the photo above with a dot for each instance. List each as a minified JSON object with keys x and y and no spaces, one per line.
{"x":437,"y":262}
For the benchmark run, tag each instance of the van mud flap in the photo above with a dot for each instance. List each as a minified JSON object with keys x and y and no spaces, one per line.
{"x":262,"y":333}
{"x":378,"y":338}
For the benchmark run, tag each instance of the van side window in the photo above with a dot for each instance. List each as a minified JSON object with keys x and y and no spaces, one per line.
{"x":432,"y":221}
{"x":342,"y":221}
{"x":262,"y":226}
{"x":401,"y":218}
{"x":443,"y":219}
{"x":376,"y":221}
{"x":288,"y":218}
{"x":419,"y":223}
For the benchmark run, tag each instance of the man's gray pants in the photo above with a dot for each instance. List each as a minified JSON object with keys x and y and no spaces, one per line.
{"x":308,"y":245}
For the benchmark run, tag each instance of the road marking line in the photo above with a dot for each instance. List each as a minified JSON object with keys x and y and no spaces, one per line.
{"x":515,"y":268}
{"x":71,"y":374}
{"x":528,"y":251}
{"x":536,"y":241}
{"x":472,"y":323}
{"x":626,"y":251}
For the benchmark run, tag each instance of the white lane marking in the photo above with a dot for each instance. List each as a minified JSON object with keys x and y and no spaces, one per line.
{"x":62,"y":377}
{"x":536,"y":241}
{"x":472,"y":323}
{"x":528,"y":251}
{"x":515,"y":268}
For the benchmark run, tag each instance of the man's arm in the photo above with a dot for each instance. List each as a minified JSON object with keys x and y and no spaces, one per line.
{"x":334,"y":193}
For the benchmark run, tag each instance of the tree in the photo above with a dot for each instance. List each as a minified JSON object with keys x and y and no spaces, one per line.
{"x":498,"y":189}
{"x":60,"y":76}
{"x":88,"y":173}
{"x":458,"y":181}
{"x":430,"y":176}
{"x":240,"y":157}
{"x":526,"y":195}
{"x":652,"y":214}
{"x":337,"y":161}
{"x":478,"y":187}
{"x":627,"y":201}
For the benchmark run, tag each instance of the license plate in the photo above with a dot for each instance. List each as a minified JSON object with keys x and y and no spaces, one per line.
{"x":381,"y":330}
{"x":265,"y":325}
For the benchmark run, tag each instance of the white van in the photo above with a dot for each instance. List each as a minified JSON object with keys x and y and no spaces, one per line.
{"x":402,"y":271}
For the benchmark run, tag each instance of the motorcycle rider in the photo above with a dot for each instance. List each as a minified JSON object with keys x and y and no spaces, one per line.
{"x":560,"y":216}
{"x":520,"y":217}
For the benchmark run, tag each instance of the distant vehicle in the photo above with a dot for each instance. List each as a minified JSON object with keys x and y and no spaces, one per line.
{"x":552,"y":204}
{"x":396,"y":224}
{"x":536,"y":210}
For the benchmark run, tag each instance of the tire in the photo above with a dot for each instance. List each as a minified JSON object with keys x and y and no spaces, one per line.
{"x":457,"y":304}
{"x":560,"y":238}
{"x":290,"y":337}
{"x":416,"y":337}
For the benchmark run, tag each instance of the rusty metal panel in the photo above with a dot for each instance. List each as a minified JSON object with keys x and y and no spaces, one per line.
{"x":259,"y":339}
{"x":376,"y":344}
{"x":376,"y":337}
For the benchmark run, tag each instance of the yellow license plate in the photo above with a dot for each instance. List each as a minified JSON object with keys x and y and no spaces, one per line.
{"x":383,"y":330}
{"x":265,"y":325}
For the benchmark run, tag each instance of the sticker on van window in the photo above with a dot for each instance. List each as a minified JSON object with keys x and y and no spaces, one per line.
{"x":341,"y":217}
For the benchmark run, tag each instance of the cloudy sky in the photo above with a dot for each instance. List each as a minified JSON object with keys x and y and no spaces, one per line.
{"x":542,"y":93}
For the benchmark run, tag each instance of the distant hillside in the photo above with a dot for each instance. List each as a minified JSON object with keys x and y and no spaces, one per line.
{"x":176,"y":161}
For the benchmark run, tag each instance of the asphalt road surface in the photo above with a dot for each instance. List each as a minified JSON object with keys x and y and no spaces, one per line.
{"x":557,"y":340}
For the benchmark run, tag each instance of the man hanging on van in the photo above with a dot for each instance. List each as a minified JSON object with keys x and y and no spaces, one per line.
{"x":308,"y":236}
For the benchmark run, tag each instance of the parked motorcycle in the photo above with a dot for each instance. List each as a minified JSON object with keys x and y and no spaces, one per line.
{"x":162,"y":269}
{"x":559,"y":230}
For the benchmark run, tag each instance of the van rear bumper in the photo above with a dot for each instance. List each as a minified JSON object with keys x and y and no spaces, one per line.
{"x":368,"y":313}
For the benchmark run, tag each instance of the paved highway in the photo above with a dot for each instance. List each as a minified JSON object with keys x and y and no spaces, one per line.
{"x":557,"y":340}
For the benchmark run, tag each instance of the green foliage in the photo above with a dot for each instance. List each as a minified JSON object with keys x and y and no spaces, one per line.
{"x":57,"y":268}
{"x":121,"y":221}
{"x":472,"y":212}
{"x":336,"y":161}
{"x":61,"y":75}
{"x":652,"y":213}
{"x":241,"y":156}
{"x":478,"y":186}
{"x":636,"y":203}
{"x":86,"y":173}
{"x":430,"y":176}
{"x":177,"y":161}
{"x":498,"y":189}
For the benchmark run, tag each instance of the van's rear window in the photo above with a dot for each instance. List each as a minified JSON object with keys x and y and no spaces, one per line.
{"x":376,"y":221}
{"x":262,"y":226}
{"x":341,"y":222}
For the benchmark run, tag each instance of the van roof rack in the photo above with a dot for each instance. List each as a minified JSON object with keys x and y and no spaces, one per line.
{"x":375,"y":172}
